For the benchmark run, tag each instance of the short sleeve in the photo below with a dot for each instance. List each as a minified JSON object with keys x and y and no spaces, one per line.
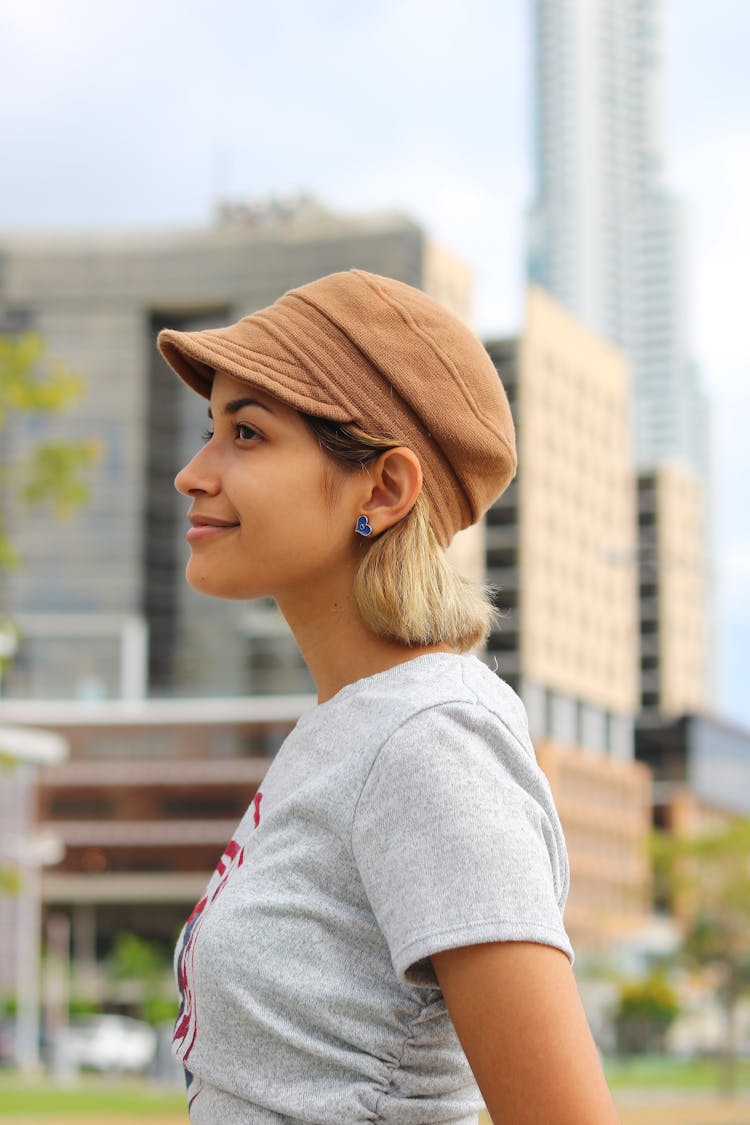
{"x":458,"y":841}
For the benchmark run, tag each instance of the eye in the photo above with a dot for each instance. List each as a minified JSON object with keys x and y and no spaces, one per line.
{"x":245,"y":432}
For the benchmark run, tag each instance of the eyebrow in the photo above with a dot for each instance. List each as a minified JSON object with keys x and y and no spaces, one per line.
{"x":237,"y":404}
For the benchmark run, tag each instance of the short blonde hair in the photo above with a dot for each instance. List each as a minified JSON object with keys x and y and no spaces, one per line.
{"x":406,"y":588}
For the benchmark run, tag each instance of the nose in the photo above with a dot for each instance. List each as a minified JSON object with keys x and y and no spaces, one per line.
{"x":197,"y":477}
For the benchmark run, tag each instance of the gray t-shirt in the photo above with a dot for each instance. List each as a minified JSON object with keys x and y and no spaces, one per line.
{"x":404,"y":816}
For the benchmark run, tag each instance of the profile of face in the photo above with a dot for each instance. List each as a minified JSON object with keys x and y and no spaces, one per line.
{"x":263,"y":522}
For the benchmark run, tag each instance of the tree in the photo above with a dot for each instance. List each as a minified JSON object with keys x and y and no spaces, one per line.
{"x":646,"y":1010}
{"x":52,"y":471}
{"x":708,"y":878}
{"x":32,"y":383}
{"x":143,"y":964}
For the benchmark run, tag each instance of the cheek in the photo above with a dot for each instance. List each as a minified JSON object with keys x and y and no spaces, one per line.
{"x":304,"y":535}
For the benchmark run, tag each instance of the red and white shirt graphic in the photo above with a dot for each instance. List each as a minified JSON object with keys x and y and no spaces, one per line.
{"x":186,"y":1026}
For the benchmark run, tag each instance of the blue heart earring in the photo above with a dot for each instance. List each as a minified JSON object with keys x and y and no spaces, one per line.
{"x":363,"y":526}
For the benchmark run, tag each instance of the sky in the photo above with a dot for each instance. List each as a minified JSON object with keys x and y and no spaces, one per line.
{"x":143,"y":113}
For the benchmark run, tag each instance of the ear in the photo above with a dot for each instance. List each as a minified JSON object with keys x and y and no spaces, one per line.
{"x":394,"y":483}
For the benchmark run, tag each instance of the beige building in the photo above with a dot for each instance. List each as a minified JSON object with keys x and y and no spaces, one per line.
{"x":605,"y":808}
{"x":576,"y":495}
{"x":685,"y":815}
{"x":568,"y":636}
{"x":674,"y":592}
{"x":567,"y":639}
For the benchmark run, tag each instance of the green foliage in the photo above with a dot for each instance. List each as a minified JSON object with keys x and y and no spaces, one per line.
{"x":646,"y":1010}
{"x":83,"y":1006}
{"x":652,"y":997}
{"x":53,"y":472}
{"x":707,"y":878}
{"x":134,"y":959}
{"x":159,"y":1009}
{"x":8,"y":1006}
{"x":10,"y":880}
{"x":143,"y":962}
{"x":710,"y":875}
{"x":30,"y":382}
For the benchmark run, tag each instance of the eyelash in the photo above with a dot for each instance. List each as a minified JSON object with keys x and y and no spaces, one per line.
{"x":238,"y":427}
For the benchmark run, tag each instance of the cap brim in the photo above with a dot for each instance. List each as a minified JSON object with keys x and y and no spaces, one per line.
{"x":196,"y":357}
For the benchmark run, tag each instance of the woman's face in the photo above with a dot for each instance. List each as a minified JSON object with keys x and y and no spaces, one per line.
{"x":262,"y":524}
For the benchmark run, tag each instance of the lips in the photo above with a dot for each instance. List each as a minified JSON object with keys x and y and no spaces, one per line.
{"x":207,"y":527}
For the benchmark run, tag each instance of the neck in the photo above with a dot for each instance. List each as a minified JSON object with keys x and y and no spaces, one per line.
{"x":339,"y":649}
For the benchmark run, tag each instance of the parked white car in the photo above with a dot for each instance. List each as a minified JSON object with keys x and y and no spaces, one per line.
{"x":109,"y":1042}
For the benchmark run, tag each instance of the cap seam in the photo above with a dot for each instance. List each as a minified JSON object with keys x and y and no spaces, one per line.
{"x":393,"y":303}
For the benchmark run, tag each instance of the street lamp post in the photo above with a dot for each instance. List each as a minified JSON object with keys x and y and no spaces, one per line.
{"x":29,"y":852}
{"x":34,"y":853}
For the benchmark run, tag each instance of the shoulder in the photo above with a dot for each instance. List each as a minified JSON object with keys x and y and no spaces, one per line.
{"x":458,"y":713}
{"x":412,"y":695}
{"x":455,"y":814}
{"x":463,"y":744}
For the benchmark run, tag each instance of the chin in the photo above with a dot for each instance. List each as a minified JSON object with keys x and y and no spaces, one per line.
{"x":205,"y":582}
{"x":214,"y":585}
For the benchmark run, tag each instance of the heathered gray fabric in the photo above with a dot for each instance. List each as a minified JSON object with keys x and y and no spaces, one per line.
{"x":405,"y":815}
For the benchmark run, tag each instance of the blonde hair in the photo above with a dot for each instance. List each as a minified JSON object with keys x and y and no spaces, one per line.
{"x":406,"y":589}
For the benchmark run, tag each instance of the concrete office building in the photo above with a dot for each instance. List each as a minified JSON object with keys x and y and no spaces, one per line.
{"x":101,"y":602}
{"x":561,"y":549}
{"x":604,"y":233}
{"x":141,"y":811}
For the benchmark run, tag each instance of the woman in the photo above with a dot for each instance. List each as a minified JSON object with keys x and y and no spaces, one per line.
{"x":391,"y":904}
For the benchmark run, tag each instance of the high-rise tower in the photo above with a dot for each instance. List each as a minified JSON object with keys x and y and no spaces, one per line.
{"x":604,"y":233}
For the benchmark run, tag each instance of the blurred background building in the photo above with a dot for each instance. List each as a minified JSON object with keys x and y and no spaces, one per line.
{"x":100,"y":601}
{"x":155,"y":784}
{"x":173,"y":705}
{"x":567,"y":637}
{"x":605,"y":236}
{"x":674,"y":592}
{"x":604,"y":233}
{"x":142,"y":808}
{"x":701,"y":770}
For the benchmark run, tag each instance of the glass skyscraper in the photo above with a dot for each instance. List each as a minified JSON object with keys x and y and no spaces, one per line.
{"x":604,"y":233}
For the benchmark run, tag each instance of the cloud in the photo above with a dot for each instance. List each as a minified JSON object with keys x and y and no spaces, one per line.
{"x":713,"y":177}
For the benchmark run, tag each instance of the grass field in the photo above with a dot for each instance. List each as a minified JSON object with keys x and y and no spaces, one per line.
{"x":89,"y":1099}
{"x":659,"y":1072}
{"x":651,"y":1091}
